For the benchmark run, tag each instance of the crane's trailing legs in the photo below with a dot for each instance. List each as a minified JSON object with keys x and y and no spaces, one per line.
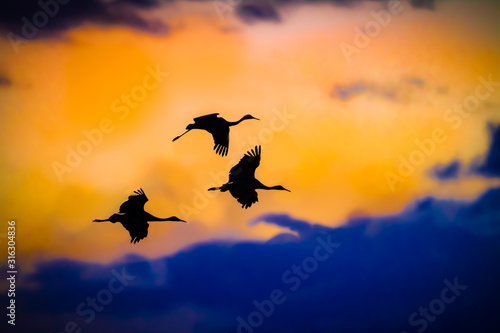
{"x":113,"y":218}
{"x":178,"y":137}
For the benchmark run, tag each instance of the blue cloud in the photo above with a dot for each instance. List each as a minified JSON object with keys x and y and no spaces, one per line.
{"x":449,"y":171}
{"x":370,"y":275}
{"x":389,"y":91}
{"x":425,"y":4}
{"x":54,"y":16}
{"x":257,"y":11}
{"x":489,"y":166}
{"x":346,"y":92}
{"x":30,"y":19}
{"x":486,"y":166}
{"x":267,"y":10}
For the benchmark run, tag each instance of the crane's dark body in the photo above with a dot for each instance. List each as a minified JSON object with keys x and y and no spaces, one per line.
{"x":133,"y":217}
{"x":218,"y":127}
{"x":242,"y":183}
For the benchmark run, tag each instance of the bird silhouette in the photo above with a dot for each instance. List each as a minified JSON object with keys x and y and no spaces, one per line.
{"x":134,"y":218}
{"x":242,"y":183}
{"x":218,"y":127}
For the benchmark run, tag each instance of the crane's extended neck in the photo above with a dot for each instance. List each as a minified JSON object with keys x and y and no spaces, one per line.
{"x":261,"y":186}
{"x":234,"y":123}
{"x":152,"y":218}
{"x":246,"y":117}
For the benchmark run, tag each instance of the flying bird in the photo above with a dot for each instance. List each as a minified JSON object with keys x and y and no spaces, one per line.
{"x":218,"y":127}
{"x":242,"y":183}
{"x":134,"y":218}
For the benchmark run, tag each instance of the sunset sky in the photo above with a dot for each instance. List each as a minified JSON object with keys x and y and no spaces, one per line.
{"x":332,"y":152}
{"x":333,"y":127}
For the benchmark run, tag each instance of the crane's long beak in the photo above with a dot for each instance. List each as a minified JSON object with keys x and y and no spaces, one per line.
{"x":177,"y":137}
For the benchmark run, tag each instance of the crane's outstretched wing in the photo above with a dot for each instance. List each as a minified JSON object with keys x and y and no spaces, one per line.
{"x":245,"y":195}
{"x":219,"y":130}
{"x":135,"y":202}
{"x":136,"y":230}
{"x":221,"y":141}
{"x":202,"y":119}
{"x":244,"y":171}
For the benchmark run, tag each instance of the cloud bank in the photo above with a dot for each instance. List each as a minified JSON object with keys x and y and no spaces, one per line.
{"x":24,"y":17}
{"x":489,"y":166}
{"x":30,"y":19}
{"x":372,"y":275}
{"x":485,"y":166}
